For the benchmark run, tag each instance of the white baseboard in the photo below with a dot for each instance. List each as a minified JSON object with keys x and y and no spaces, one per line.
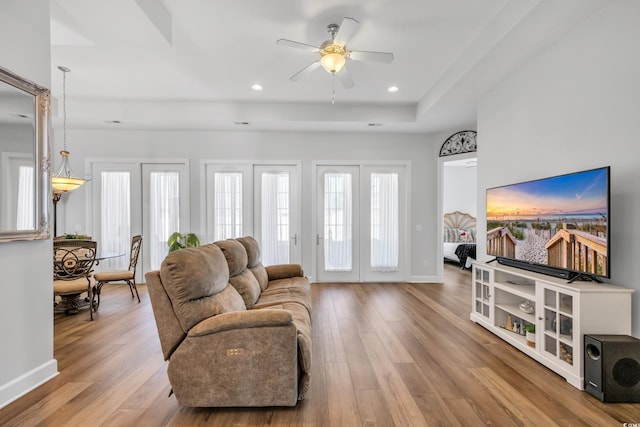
{"x":22,"y":385}
{"x":424,"y":279}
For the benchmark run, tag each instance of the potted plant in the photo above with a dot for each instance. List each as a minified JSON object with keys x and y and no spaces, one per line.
{"x":530,"y":329}
{"x":180,"y":241}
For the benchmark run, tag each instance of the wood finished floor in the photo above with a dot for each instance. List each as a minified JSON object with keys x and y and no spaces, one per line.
{"x":383,"y":355}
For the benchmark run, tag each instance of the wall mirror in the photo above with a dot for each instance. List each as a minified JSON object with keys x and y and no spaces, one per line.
{"x":24,"y":159}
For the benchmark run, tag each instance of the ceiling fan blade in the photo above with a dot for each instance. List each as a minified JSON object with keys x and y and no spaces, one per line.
{"x":297,"y":76}
{"x":345,"y":78}
{"x":361,"y":55}
{"x":298,"y":45}
{"x":347,"y":28}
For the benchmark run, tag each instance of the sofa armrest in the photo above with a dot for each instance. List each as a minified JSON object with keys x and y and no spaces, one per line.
{"x":284,"y":271}
{"x":241,"y":320}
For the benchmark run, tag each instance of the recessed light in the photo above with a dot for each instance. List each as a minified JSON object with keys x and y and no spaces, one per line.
{"x":374,"y":124}
{"x":256,"y":87}
{"x":393,"y":89}
{"x":241,"y":123}
{"x":114,"y":122}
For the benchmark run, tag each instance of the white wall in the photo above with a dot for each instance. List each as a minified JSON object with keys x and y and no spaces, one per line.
{"x":26,"y":313}
{"x":299,"y":146}
{"x":460,"y":187}
{"x":574,"y":107}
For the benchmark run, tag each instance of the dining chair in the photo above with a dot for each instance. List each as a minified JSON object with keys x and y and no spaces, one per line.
{"x":128,"y":276}
{"x":73,"y":262}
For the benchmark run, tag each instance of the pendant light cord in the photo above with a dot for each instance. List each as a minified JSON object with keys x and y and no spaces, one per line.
{"x":333,"y":88}
{"x":64,"y":70}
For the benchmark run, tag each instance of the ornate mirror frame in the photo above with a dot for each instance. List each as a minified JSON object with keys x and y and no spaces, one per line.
{"x":41,"y":162}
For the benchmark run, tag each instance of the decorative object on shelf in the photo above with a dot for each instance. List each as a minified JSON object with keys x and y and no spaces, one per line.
{"x":566,"y":354}
{"x":459,"y":143}
{"x":509,"y":323}
{"x":527,"y":307}
{"x":566,"y":327}
{"x":179,"y":241}
{"x":530,"y":329}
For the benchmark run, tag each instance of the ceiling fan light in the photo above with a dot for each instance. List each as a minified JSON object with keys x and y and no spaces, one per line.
{"x":333,"y":62}
{"x":332,"y":56}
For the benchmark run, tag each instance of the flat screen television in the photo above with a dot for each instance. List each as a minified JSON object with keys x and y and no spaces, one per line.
{"x":557,"y":226}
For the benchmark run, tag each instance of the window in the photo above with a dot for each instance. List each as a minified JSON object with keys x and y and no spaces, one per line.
{"x":26,"y":199}
{"x":384,"y":222}
{"x":228,"y":205}
{"x":115,"y":227}
{"x":337,"y":222}
{"x":275,"y":218}
{"x":164,"y":213}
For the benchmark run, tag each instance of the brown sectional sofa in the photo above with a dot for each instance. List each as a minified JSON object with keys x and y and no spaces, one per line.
{"x":234,"y":332}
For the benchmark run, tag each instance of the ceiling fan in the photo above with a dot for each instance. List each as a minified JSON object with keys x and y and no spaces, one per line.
{"x":334,"y":53}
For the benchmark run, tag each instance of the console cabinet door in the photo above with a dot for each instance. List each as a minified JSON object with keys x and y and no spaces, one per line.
{"x":483,"y":293}
{"x":557,"y":313}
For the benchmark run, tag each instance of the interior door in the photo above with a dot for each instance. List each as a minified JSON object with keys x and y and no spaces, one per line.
{"x":277,"y":213}
{"x":338,"y":237}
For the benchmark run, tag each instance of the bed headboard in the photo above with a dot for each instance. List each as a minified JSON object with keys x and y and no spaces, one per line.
{"x":459,"y":227}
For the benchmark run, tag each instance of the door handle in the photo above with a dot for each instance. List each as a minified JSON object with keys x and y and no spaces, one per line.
{"x":318,"y":239}
{"x":295,"y":239}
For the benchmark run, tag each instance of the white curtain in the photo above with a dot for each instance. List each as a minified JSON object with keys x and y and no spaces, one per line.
{"x":228,"y":205}
{"x":164,"y":214}
{"x":384,"y":222}
{"x":275,"y":218}
{"x":337,"y":222}
{"x":26,"y":198}
{"x":115,"y":219}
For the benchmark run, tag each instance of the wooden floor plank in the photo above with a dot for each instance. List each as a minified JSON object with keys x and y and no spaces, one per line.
{"x":384,"y":354}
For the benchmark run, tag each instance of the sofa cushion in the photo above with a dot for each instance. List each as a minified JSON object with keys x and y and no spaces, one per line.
{"x":261,"y":275}
{"x":235,"y":254}
{"x":274,"y":295}
{"x":253,"y":260}
{"x":248,"y":287}
{"x":197,"y":283}
{"x":253,"y":250}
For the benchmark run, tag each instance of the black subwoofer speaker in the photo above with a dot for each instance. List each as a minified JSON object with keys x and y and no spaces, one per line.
{"x":612,"y":367}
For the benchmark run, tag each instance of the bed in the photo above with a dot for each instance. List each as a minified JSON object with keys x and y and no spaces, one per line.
{"x":459,"y":238}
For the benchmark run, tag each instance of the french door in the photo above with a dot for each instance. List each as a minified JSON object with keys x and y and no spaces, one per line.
{"x":361,"y":222}
{"x":261,"y":200}
{"x":132,"y":198}
{"x":337,"y":239}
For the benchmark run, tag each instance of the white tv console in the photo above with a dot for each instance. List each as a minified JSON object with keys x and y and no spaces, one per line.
{"x":562,"y":313}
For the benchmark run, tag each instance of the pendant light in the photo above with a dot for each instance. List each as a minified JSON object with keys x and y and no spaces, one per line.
{"x":64,"y":179}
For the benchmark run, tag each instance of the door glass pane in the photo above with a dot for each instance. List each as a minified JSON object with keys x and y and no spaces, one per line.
{"x":337,"y":222}
{"x":228,"y":205}
{"x":275,"y":218}
{"x":115,"y":224}
{"x":384,"y":222}
{"x":164,"y":213}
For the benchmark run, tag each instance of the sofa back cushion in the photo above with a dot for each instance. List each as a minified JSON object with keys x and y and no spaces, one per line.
{"x":197,"y":283}
{"x":253,"y":260}
{"x":240,"y":277}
